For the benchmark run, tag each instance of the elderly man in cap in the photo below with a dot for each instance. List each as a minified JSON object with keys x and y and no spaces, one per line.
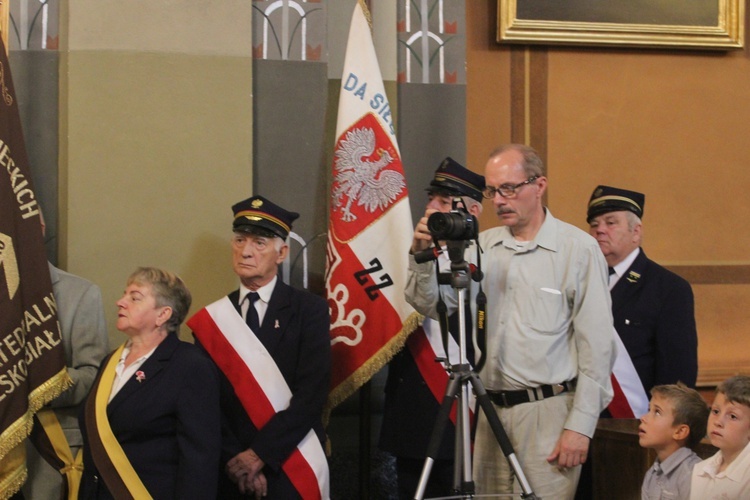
{"x":272,"y":346}
{"x":410,"y":405}
{"x":652,"y":307}
{"x":550,"y":340}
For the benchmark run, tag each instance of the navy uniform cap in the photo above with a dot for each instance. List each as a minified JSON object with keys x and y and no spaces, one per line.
{"x":607,"y":199}
{"x":456,"y":180}
{"x":257,"y":213}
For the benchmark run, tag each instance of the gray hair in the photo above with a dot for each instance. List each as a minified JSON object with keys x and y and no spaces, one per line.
{"x":470,"y":202}
{"x":633,"y":220}
{"x":169,"y":291}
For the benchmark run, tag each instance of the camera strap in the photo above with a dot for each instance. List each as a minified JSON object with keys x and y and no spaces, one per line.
{"x":442,"y":312}
{"x":480,"y":322}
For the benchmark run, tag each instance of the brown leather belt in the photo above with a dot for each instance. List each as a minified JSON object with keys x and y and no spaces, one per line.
{"x":511,"y":398}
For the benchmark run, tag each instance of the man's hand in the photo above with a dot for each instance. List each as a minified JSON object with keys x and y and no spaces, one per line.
{"x":244,"y":467}
{"x":571,"y":449}
{"x":257,"y":485}
{"x":422,"y":237}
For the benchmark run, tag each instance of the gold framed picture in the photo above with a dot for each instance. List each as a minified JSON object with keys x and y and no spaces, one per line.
{"x":691,"y":24}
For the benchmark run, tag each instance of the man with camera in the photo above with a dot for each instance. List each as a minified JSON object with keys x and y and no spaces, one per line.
{"x":550,"y":340}
{"x":412,"y":389}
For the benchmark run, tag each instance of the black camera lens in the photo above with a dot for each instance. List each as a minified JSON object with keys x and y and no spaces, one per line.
{"x":453,"y":226}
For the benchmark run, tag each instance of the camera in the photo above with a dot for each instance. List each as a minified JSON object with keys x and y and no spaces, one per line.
{"x":456,"y":225}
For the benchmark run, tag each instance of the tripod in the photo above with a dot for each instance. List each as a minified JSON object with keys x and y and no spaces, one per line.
{"x":461,"y":375}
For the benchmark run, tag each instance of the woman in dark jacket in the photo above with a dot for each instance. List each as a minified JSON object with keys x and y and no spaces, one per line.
{"x":151,"y":423}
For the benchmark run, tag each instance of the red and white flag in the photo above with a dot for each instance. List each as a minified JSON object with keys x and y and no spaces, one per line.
{"x":630,"y":400}
{"x":370,"y":227}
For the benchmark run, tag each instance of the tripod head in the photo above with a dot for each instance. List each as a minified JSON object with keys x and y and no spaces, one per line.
{"x":456,"y":228}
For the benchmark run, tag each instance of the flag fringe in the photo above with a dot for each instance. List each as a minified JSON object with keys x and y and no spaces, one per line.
{"x":13,"y":476}
{"x":46,"y":392}
{"x":367,"y":14}
{"x":373,"y":365}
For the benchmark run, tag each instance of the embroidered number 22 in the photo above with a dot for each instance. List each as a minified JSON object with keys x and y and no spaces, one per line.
{"x":372,"y":290}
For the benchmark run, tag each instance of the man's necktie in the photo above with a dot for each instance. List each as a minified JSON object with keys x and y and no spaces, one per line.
{"x":251,"y":317}
{"x":611,"y":271}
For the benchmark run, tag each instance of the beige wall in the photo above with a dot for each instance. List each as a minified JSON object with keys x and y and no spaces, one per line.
{"x":671,"y":124}
{"x":156,"y":140}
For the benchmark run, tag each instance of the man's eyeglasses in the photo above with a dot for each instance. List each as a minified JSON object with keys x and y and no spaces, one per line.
{"x":506,"y":190}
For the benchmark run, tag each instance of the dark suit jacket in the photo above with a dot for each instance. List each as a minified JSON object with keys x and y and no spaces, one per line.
{"x":295,"y":333}
{"x":654,"y":315}
{"x":168,"y":425}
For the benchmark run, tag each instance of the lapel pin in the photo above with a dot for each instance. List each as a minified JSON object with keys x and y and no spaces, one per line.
{"x":140,"y":376}
{"x":276,"y":324}
{"x":633,"y":277}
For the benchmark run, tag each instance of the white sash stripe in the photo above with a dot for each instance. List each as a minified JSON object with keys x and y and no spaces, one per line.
{"x":629,"y":381}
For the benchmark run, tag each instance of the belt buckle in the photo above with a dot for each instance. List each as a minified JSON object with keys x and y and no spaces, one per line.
{"x":531,"y":392}
{"x":558,"y":389}
{"x":504,"y":399}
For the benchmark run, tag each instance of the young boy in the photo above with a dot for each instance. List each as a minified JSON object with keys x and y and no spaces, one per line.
{"x":726,"y":475}
{"x":675,"y":423}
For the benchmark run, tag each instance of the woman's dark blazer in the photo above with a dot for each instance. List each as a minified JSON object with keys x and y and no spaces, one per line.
{"x":168,"y":425}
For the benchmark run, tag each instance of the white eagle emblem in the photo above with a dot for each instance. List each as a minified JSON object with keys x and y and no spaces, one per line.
{"x":363,"y":180}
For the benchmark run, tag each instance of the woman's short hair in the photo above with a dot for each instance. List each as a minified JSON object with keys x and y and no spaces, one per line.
{"x":169,"y":291}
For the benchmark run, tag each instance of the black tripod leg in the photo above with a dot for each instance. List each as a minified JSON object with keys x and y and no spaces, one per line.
{"x":451,"y":391}
{"x":502,"y":438}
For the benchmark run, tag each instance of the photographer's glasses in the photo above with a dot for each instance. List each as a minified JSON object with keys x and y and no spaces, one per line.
{"x":506,"y":190}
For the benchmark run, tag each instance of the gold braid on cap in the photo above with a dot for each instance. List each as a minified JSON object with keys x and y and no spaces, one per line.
{"x":250,"y":214}
{"x":602,"y":199}
{"x":456,"y":179}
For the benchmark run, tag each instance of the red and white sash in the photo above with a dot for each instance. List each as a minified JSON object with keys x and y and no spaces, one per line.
{"x":630,"y":399}
{"x":426,"y":344}
{"x":260,"y":387}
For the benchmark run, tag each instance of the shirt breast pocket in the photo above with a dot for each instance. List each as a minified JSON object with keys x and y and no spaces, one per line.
{"x":546,"y":311}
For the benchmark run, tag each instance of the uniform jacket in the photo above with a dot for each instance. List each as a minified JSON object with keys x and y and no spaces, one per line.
{"x":653,"y":312}
{"x":295,"y":331}
{"x":167,"y":424}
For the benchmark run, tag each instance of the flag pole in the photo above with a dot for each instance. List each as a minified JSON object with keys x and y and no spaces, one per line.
{"x":365,"y":443}
{"x":4,"y":21}
{"x":365,"y":419}
{"x":369,"y":235}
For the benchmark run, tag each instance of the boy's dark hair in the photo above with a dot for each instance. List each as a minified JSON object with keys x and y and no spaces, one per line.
{"x":736,"y":389}
{"x":689,"y":409}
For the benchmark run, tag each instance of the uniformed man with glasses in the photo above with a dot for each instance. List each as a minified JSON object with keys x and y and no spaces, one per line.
{"x":550,"y":338}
